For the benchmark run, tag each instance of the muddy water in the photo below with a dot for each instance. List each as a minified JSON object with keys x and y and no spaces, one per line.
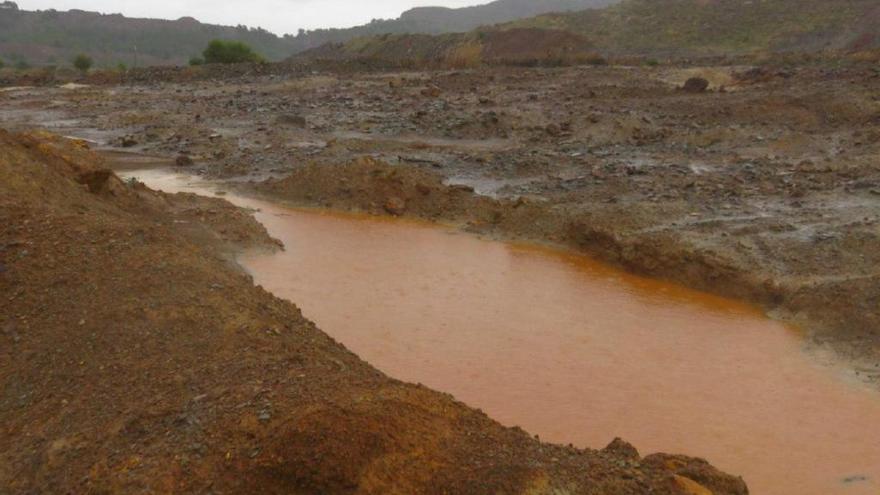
{"x":572,"y":350}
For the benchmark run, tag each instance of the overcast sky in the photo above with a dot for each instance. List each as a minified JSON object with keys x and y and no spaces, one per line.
{"x":279,"y":16}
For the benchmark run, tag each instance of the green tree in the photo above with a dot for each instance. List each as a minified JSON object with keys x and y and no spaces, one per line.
{"x":230,"y":52}
{"x":196,"y":61}
{"x":83,"y":62}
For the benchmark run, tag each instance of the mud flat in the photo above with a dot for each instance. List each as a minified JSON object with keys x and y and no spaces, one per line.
{"x":568,"y":348}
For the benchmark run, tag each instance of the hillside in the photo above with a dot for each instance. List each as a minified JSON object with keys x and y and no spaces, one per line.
{"x":652,"y":28}
{"x":528,"y":47}
{"x":53,"y":37}
{"x":696,"y":27}
{"x":437,"y":20}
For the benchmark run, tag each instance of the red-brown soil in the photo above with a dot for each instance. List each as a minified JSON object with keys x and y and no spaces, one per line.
{"x":137,"y":358}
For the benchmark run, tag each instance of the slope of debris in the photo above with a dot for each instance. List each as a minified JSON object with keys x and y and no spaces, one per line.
{"x":136,"y":358}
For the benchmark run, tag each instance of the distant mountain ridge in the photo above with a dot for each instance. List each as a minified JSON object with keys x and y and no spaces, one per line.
{"x":54,"y":37}
{"x":443,"y":19}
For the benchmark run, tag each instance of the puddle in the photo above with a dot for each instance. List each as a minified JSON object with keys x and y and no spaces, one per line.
{"x":573,"y":350}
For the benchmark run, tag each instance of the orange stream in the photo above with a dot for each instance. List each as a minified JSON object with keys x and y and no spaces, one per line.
{"x":573,"y":350}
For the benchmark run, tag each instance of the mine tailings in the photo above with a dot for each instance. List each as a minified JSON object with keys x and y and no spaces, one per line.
{"x":570,"y":349}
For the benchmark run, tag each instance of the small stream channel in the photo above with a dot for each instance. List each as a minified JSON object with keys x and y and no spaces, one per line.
{"x":570,"y":349}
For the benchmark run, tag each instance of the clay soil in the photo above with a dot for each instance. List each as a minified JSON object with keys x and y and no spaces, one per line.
{"x":765,"y":188}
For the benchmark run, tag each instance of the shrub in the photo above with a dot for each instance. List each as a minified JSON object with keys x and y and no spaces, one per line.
{"x":2,"y":64}
{"x":196,"y":61}
{"x":83,"y":62}
{"x":230,"y":52}
{"x":22,"y":64}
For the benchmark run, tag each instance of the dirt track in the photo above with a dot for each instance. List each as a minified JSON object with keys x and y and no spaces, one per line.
{"x":765,"y":188}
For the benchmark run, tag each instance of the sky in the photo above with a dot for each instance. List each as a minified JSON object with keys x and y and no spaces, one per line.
{"x":279,"y":16}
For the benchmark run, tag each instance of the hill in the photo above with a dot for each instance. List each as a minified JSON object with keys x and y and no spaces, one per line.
{"x":648,"y":28}
{"x":53,"y":37}
{"x":525,"y":46}
{"x":440,"y":20}
{"x":709,"y":27}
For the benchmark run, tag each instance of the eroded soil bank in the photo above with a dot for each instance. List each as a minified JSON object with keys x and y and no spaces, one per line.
{"x":569,"y":348}
{"x":136,"y":358}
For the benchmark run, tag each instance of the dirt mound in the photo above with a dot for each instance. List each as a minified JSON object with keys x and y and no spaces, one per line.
{"x":370,"y":185}
{"x":136,"y":358}
{"x":696,"y":85}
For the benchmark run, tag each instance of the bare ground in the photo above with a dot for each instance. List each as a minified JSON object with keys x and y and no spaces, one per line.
{"x":765,"y":188}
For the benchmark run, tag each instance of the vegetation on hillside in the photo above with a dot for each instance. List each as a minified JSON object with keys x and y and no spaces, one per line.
{"x":528,"y":47}
{"x":47,"y":37}
{"x":700,"y":27}
{"x":51,"y":37}
{"x":440,"y":20}
{"x":642,"y":28}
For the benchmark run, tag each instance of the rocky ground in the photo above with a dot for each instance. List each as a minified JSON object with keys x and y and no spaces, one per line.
{"x":764,"y":187}
{"x":136,"y":358}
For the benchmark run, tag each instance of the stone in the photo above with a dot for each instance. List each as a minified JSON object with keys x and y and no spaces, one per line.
{"x":431,"y":92}
{"x":395,"y":206}
{"x":553,"y":130}
{"x":622,"y":448}
{"x":696,"y":85}
{"x":292,"y":119}
{"x":183,"y":160}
